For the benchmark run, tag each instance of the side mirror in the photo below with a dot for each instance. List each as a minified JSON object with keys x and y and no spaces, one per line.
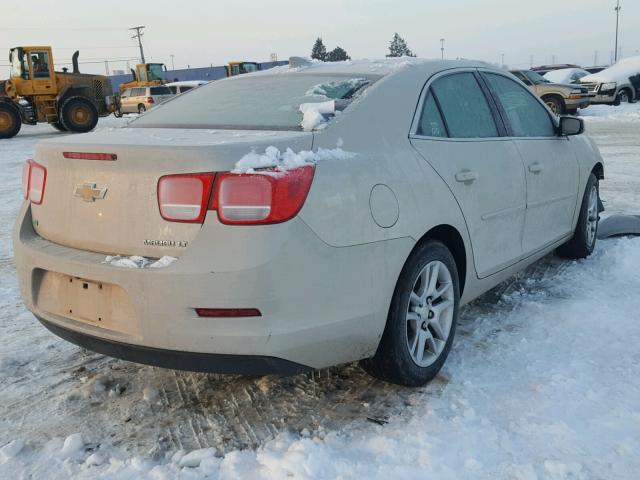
{"x":571,"y":126}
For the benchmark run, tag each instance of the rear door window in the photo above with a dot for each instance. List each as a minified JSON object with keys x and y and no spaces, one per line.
{"x":526,"y":116}
{"x":160,"y":91}
{"x":464,"y":106}
{"x":431,"y":123}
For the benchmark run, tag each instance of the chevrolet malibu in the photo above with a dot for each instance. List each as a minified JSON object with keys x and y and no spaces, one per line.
{"x":305,"y":217}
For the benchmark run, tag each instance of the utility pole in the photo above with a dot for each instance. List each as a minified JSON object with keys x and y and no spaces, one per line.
{"x":106,"y":66}
{"x":502,"y":60}
{"x":442,"y":48}
{"x":595,"y":58}
{"x":617,"y":9}
{"x":530,"y":61}
{"x":553,"y":59}
{"x":173,"y":67}
{"x":138,"y":35}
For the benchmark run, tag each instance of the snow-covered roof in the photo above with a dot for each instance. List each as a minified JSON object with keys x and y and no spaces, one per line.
{"x":366,"y":67}
{"x":618,"y":72}
{"x":565,"y":75}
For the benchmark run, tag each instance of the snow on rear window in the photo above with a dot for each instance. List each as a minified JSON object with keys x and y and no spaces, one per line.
{"x":252,"y":102}
{"x":337,"y":89}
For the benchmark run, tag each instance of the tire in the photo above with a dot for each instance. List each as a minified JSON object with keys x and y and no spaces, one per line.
{"x":78,"y":115}
{"x":555,"y":105}
{"x":624,"y":96}
{"x":58,"y":126}
{"x":10,"y":121}
{"x":418,"y":316}
{"x":585,"y":235}
{"x":141,"y":109}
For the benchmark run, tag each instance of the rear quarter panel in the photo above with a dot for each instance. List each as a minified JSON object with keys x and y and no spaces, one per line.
{"x":376,"y":128}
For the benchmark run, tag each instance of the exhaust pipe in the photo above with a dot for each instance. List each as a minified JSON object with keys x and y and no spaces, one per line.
{"x":74,"y":60}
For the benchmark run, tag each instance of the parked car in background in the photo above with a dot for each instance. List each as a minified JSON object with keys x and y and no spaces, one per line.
{"x":301,"y":244}
{"x":184,"y":86}
{"x":141,"y":99}
{"x":566,"y":75}
{"x":560,"y":98}
{"x":613,"y":85}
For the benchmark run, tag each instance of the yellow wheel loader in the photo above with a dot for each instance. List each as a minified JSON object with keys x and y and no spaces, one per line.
{"x":35,"y":92}
{"x":147,"y":75}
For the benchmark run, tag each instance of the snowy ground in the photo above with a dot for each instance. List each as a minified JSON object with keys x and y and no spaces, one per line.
{"x":542,"y":382}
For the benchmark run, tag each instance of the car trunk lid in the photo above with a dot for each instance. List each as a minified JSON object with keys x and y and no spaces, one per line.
{"x":111,"y":206}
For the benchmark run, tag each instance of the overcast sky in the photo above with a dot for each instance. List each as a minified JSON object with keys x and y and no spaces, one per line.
{"x":201,"y":32}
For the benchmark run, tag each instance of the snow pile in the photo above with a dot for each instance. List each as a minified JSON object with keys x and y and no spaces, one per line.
{"x":619,"y":72}
{"x":136,"y":261}
{"x":282,"y":161}
{"x":73,"y":447}
{"x":313,"y":114}
{"x":10,"y":450}
{"x":626,"y":112}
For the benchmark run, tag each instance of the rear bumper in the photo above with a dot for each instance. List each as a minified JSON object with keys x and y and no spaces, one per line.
{"x":320,"y":305}
{"x":179,"y":360}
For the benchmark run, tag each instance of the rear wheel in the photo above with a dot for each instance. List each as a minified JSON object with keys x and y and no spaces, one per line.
{"x":141,"y":108}
{"x":78,"y":114}
{"x":10,"y":121}
{"x":555,"y":105}
{"x":422,"y":319}
{"x":584,"y":238}
{"x":624,"y":96}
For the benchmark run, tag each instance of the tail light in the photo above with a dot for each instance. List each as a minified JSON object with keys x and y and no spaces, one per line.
{"x":184,"y":198}
{"x":239,"y":198}
{"x":34,"y":179}
{"x":150,"y":100}
{"x":261,"y":198}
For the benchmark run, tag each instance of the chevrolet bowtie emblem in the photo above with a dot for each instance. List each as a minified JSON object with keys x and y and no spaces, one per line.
{"x":89,"y":192}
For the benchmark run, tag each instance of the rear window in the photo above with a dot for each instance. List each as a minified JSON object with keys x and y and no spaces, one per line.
{"x":254,"y":102}
{"x":160,"y":91}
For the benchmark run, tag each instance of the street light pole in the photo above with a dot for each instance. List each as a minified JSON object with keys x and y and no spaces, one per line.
{"x":617,"y":9}
{"x":173,"y":67}
{"x":442,"y":48}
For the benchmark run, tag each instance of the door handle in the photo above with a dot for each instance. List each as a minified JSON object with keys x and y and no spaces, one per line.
{"x":535,"y":168}
{"x":466,"y":176}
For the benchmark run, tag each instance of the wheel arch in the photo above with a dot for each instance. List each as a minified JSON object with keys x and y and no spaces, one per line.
{"x":452,"y":239}
{"x":598,"y":171}
{"x":76,"y":91}
{"x":555,"y":96}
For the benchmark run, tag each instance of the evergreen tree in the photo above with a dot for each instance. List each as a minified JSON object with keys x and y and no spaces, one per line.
{"x":338,"y":54}
{"x":319,"y":51}
{"x":398,"y":47}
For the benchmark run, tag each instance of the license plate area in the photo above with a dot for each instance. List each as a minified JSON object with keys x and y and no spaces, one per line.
{"x":100,"y":304}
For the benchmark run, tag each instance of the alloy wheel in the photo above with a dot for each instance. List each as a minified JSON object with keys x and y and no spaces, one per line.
{"x":430,"y":313}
